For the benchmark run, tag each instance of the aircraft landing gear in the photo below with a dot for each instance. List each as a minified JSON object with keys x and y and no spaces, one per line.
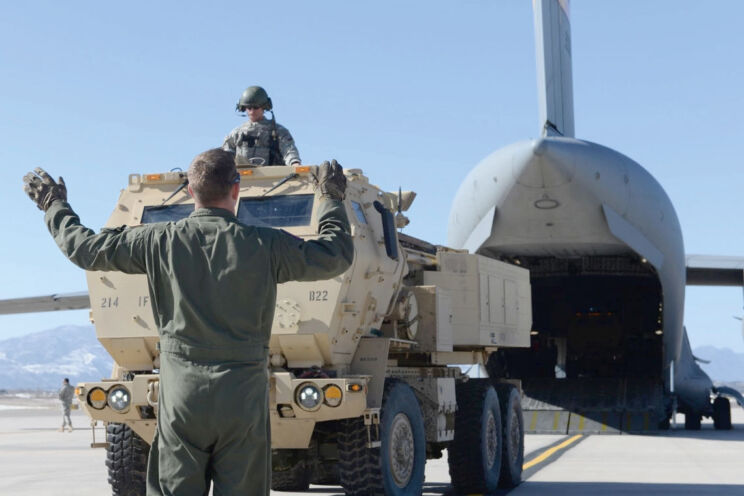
{"x":692,"y":421}
{"x":721,"y":413}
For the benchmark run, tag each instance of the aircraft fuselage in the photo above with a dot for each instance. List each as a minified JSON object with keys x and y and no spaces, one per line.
{"x":605,"y":249}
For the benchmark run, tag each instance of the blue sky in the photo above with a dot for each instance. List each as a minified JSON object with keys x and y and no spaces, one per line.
{"x":414,"y":93}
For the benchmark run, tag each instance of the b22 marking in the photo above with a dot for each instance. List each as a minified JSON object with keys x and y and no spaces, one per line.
{"x":319,"y":295}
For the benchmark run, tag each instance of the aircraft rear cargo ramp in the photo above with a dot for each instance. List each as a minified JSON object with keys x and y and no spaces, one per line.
{"x":591,"y":406}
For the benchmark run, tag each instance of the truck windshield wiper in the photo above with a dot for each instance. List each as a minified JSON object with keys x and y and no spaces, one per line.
{"x":183,"y":185}
{"x":288,"y":178}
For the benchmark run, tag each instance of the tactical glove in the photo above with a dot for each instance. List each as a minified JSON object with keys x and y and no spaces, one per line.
{"x":330,"y":179}
{"x":41,"y":188}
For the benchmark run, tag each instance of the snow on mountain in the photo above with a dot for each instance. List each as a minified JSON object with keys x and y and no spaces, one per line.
{"x":725,"y":364}
{"x":42,"y":359}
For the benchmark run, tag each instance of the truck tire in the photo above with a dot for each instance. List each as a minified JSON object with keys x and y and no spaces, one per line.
{"x":396,"y":468}
{"x":324,"y":454}
{"x":126,"y":459}
{"x":692,"y":421}
{"x":290,"y":470}
{"x":721,"y":413}
{"x":512,"y":422}
{"x":475,"y":454}
{"x":325,"y":473}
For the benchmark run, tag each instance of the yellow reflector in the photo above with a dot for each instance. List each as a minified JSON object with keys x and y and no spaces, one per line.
{"x":153,"y":177}
{"x":78,"y":391}
{"x":302,"y":168}
{"x":354,"y":387}
{"x":246,"y":172}
{"x":97,"y":395}
{"x":332,"y":395}
{"x":333,"y":392}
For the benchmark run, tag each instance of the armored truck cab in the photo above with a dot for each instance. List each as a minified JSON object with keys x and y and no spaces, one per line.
{"x":366,"y":369}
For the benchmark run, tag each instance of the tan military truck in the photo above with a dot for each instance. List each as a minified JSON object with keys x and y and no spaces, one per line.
{"x":367,"y":378}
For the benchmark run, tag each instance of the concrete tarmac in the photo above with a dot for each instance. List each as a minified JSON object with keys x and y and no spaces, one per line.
{"x":36,"y":459}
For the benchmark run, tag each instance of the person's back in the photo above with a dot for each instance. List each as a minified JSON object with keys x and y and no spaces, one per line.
{"x":224,"y":276}
{"x":212,"y":282}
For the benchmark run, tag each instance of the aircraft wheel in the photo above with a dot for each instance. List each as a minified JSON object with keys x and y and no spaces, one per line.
{"x":126,"y":460}
{"x":289,"y":470}
{"x":722,"y":413}
{"x":692,"y":421}
{"x":512,"y":422}
{"x":396,"y":468}
{"x":475,"y":454}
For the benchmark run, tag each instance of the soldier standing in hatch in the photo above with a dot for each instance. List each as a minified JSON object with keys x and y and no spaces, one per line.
{"x":66,"y":393}
{"x":260,"y":141}
{"x":212,"y":281}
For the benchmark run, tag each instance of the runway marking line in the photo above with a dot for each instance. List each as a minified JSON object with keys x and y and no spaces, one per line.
{"x":551,"y":451}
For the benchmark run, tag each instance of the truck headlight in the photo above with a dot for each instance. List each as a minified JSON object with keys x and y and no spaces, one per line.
{"x":332,"y":395}
{"x":308,"y":396}
{"x":97,"y":398}
{"x":119,"y":398}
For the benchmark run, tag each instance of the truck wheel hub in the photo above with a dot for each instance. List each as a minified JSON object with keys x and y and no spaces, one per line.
{"x":401,"y":450}
{"x":492,"y":442}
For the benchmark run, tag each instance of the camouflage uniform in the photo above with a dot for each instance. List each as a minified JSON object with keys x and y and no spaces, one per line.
{"x":212,"y":281}
{"x":66,"y":394}
{"x":254,"y":139}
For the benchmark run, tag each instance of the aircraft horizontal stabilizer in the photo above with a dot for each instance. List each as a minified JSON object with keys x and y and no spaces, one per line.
{"x":49,"y":303}
{"x":715,"y":270}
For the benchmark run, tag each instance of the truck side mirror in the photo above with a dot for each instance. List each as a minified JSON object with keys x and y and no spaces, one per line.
{"x":388,"y":230}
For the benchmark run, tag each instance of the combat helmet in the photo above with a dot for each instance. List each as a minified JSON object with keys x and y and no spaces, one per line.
{"x":254,"y":96}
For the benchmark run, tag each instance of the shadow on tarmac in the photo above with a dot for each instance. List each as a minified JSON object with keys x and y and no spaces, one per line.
{"x":623,"y":488}
{"x":587,"y":488}
{"x":710,"y":434}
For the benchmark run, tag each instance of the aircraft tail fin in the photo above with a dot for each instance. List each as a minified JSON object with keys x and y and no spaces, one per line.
{"x":554,"y":78}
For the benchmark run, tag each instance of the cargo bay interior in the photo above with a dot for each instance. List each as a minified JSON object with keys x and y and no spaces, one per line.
{"x":596,"y":340}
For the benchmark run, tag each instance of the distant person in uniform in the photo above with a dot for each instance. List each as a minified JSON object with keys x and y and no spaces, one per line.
{"x":66,"y":394}
{"x":213,"y":282}
{"x":260,"y":141}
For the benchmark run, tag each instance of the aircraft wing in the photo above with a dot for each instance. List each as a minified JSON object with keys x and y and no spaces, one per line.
{"x":49,"y":303}
{"x":715,"y":270}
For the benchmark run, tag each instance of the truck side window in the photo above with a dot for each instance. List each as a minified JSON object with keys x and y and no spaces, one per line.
{"x":276,"y":211}
{"x":359,"y":212}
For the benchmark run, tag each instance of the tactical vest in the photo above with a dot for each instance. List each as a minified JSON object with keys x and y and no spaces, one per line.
{"x":257,"y":144}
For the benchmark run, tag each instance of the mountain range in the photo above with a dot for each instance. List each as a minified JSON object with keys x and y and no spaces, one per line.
{"x":41,"y":360}
{"x":725,"y":364}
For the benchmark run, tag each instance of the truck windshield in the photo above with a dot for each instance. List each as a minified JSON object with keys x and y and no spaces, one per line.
{"x":166,"y":213}
{"x":276,"y":211}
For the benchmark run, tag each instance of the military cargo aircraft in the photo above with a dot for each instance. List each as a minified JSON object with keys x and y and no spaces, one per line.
{"x":608,"y":268}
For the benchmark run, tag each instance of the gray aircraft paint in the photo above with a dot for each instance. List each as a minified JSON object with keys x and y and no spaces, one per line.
{"x":564,"y":197}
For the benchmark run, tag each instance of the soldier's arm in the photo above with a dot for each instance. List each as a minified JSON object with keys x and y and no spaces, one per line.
{"x":229,"y":142}
{"x":329,"y":255}
{"x":287,"y":146}
{"x":111,"y":249}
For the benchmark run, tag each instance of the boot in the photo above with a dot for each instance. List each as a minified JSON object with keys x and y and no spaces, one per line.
{"x":61,"y":429}
{"x":70,"y":427}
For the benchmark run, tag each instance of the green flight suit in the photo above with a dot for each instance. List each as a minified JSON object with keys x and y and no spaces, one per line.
{"x":212,"y":282}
